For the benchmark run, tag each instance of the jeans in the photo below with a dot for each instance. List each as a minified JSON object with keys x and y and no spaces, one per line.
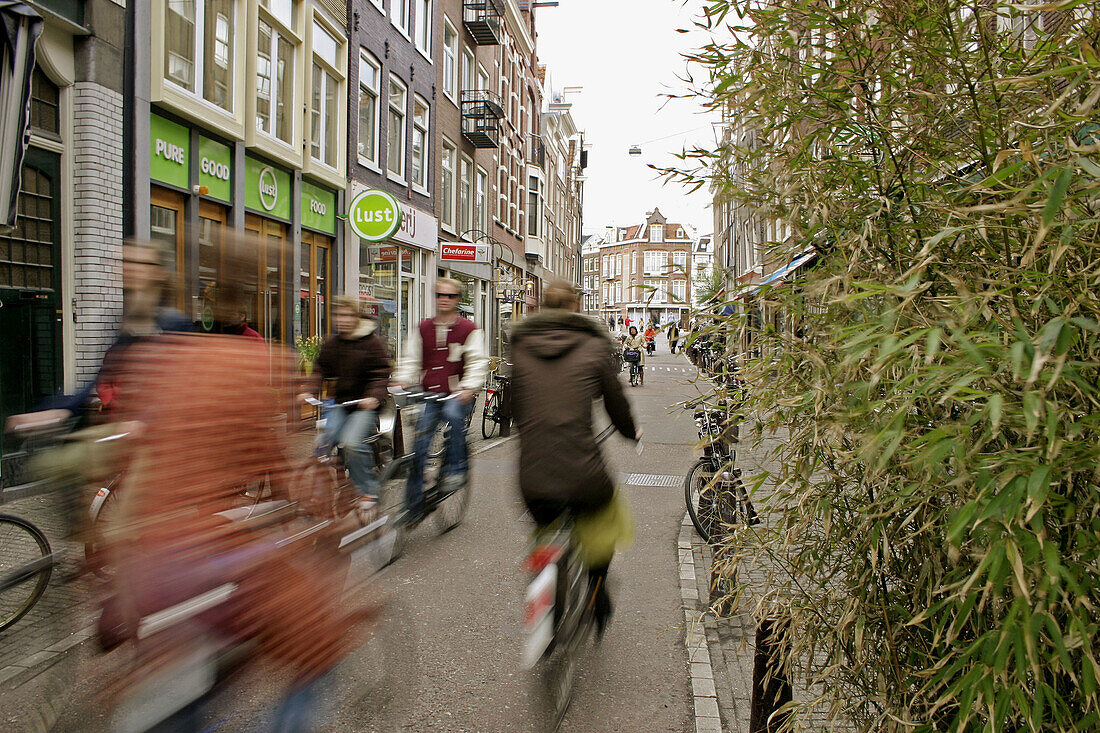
{"x":454,"y":413}
{"x":350,"y":428}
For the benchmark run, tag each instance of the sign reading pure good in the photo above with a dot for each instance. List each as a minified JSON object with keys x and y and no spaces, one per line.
{"x":374,"y":215}
{"x":169,"y":150}
{"x":216,"y":169}
{"x":318,"y":208}
{"x":266,"y":189}
{"x":463,"y":252}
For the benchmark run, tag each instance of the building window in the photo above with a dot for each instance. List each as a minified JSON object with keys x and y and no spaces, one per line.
{"x":655,"y":263}
{"x":656,"y":233}
{"x":679,"y":290}
{"x":323,"y":124}
{"x":533,"y":206}
{"x":679,"y":261}
{"x":45,"y":104}
{"x":198,"y":48}
{"x":420,"y":143}
{"x":481,"y":201}
{"x":370,"y":74}
{"x":447,"y":185}
{"x":395,"y":128}
{"x":399,"y":15}
{"x":450,"y":60}
{"x":465,"y":195}
{"x":466,"y":77}
{"x":274,"y":81}
{"x":424,"y":26}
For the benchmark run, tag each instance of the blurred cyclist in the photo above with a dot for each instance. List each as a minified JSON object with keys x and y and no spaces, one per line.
{"x":446,"y":355}
{"x":560,"y":369}
{"x":635,"y":340}
{"x":359,"y":362}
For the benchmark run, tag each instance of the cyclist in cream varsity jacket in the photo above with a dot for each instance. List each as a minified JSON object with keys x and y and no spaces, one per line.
{"x":445,"y":355}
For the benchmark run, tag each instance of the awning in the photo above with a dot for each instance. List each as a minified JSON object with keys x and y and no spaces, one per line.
{"x":781,"y":274}
{"x":21,"y":28}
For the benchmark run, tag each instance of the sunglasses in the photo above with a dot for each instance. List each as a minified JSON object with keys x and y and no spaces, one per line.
{"x":446,"y":295}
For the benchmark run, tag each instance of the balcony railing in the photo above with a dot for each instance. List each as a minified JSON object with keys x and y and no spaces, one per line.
{"x":482,"y":19}
{"x":481,"y":116}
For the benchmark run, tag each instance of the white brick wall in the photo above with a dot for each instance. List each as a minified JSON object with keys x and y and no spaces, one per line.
{"x":97,"y":222}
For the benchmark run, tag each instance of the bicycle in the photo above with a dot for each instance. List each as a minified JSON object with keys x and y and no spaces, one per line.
{"x":713,"y":491}
{"x":633,"y":357}
{"x":558,"y":607}
{"x":496,"y":388}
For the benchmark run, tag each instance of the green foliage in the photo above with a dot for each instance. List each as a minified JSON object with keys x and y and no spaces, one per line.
{"x":936,"y":513}
{"x":308,"y":348}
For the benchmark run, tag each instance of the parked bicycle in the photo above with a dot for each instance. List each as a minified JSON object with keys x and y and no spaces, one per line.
{"x":496,"y":389}
{"x":715,"y":495}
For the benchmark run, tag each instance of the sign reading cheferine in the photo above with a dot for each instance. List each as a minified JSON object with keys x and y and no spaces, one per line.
{"x":374,"y":215}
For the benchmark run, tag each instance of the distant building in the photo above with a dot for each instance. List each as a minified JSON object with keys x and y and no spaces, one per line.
{"x":702,"y":266}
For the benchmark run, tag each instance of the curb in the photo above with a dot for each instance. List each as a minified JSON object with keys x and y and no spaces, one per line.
{"x":701,"y":672}
{"x":16,"y":674}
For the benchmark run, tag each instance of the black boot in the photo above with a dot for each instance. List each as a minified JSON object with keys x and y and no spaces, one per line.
{"x":601,"y":601}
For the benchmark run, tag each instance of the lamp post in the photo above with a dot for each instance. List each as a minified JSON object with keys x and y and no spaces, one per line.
{"x":478,"y":235}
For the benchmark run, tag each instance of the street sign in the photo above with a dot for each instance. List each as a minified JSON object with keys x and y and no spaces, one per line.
{"x":374,"y":215}
{"x":463,"y":252}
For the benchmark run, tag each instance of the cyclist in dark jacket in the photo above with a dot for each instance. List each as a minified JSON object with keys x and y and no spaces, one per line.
{"x":560,"y":367}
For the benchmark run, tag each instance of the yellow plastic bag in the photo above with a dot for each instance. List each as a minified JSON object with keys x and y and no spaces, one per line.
{"x":601,"y":532}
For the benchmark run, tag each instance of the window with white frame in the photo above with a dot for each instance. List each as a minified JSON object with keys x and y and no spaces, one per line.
{"x":399,"y":15}
{"x":420,"y":153}
{"x":198,"y":48}
{"x":395,"y":127}
{"x":533,"y":206}
{"x":481,"y":201}
{"x":370,"y":77}
{"x":275,"y":74}
{"x":324,"y":122}
{"x":423,"y":36}
{"x":450,"y":60}
{"x":465,"y":195}
{"x":482,"y":78}
{"x":466,"y":71}
{"x":655,"y":262}
{"x":679,"y":261}
{"x":618,"y":265}
{"x":447,"y":185}
{"x":656,"y":233}
{"x":618,"y":292}
{"x":679,"y":290}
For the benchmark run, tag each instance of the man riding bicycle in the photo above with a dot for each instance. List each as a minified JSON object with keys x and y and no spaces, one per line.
{"x":445,"y":355}
{"x":359,"y":362}
{"x":560,"y":368}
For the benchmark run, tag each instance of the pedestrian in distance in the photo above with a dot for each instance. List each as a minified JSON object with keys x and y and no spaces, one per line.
{"x":445,"y":355}
{"x":673,"y":336}
{"x":560,"y":369}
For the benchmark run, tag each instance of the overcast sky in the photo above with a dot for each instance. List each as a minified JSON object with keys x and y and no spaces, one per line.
{"x":626,"y":54}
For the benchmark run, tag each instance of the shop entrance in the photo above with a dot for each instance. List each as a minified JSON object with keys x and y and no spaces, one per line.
{"x":314,"y":285}
{"x":264,"y":295}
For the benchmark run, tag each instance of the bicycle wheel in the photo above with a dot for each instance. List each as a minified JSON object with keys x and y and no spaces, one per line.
{"x":490,"y":417}
{"x":315,"y":487}
{"x":25,"y":567}
{"x":95,"y":548}
{"x":701,"y":496}
{"x":452,"y":507}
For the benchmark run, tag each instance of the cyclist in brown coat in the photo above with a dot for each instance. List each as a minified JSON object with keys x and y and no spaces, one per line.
{"x":560,"y":367}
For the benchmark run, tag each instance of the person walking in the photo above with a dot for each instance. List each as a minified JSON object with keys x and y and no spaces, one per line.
{"x":560,"y":369}
{"x":445,"y":355}
{"x":358,"y":361}
{"x":673,"y":336}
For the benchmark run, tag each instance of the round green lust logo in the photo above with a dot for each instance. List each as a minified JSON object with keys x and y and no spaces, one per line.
{"x":374,"y":215}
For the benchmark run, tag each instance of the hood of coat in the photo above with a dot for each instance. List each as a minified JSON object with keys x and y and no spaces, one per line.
{"x":365,"y":328}
{"x":550,"y":333}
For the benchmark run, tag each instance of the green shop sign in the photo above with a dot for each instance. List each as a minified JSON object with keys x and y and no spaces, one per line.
{"x":169,"y":150}
{"x":318,"y":208}
{"x":266,"y":188}
{"x":374,"y":215}
{"x":216,"y":169}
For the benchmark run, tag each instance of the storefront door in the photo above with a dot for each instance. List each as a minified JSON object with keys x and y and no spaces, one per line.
{"x":212,"y":263}
{"x":266,"y":292}
{"x":30,"y":284}
{"x":313,"y":287}
{"x":166,"y":227}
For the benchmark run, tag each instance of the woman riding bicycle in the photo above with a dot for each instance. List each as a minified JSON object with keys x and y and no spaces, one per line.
{"x":560,"y":367}
{"x":635,"y":340}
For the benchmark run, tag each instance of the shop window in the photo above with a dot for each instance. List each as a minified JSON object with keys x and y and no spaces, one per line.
{"x":395,"y":141}
{"x":199,"y":57}
{"x":274,"y":82}
{"x":45,"y":104}
{"x":370,"y":74}
{"x":420,"y":143}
